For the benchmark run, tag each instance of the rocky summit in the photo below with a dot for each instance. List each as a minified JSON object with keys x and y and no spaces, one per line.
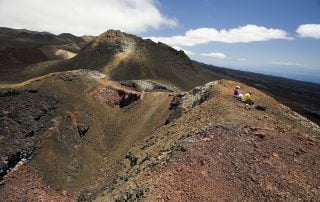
{"x":119,"y":118}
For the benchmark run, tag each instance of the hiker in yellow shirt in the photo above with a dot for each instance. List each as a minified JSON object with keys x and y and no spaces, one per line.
{"x":247,"y":98}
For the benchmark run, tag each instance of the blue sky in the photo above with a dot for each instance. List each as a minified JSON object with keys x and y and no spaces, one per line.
{"x":298,"y":58}
{"x":278,"y":37}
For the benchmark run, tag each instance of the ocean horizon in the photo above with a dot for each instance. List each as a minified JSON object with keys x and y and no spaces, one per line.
{"x":312,"y":76}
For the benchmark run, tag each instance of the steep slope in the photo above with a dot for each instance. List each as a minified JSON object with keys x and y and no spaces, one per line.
{"x":127,"y":57}
{"x":221,"y":151}
{"x":71,"y":128}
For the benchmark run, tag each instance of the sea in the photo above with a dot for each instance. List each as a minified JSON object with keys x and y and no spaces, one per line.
{"x":300,"y":74}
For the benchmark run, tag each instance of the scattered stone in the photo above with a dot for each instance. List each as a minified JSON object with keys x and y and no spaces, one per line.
{"x":148,"y":86}
{"x":82,"y":129}
{"x":176,"y":110}
{"x":260,"y":135}
{"x":13,"y":160}
{"x":127,"y":98}
{"x":253,"y":128}
{"x":69,"y":77}
{"x":131,"y":195}
{"x":133,"y":160}
{"x":201,"y":162}
{"x":30,"y":134}
{"x":21,"y":110}
{"x":247,"y":107}
{"x":261,"y":107}
{"x":116,"y":97}
{"x":180,"y":148}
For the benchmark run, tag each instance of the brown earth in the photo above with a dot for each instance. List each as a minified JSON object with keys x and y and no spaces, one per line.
{"x":221,"y":151}
{"x":227,"y":162}
{"x":72,"y":137}
{"x":25,"y":184}
{"x":106,"y":142}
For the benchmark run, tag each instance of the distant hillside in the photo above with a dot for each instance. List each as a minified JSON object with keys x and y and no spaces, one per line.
{"x":20,"y":48}
{"x":123,"y":56}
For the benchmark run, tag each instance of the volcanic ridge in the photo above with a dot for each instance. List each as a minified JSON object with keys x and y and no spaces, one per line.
{"x":120,"y":118}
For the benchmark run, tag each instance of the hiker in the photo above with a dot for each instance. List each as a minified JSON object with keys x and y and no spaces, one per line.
{"x":247,"y":98}
{"x":236,"y":93}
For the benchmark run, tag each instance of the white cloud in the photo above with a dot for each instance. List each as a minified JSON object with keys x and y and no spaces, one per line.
{"x":215,"y":55}
{"x":242,"y":34}
{"x":285,"y":63}
{"x":188,"y":52}
{"x":309,"y":30}
{"x":83,"y":16}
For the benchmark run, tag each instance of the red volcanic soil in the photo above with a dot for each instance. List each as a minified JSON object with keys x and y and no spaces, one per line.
{"x":24,"y":184}
{"x":243,"y":163}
